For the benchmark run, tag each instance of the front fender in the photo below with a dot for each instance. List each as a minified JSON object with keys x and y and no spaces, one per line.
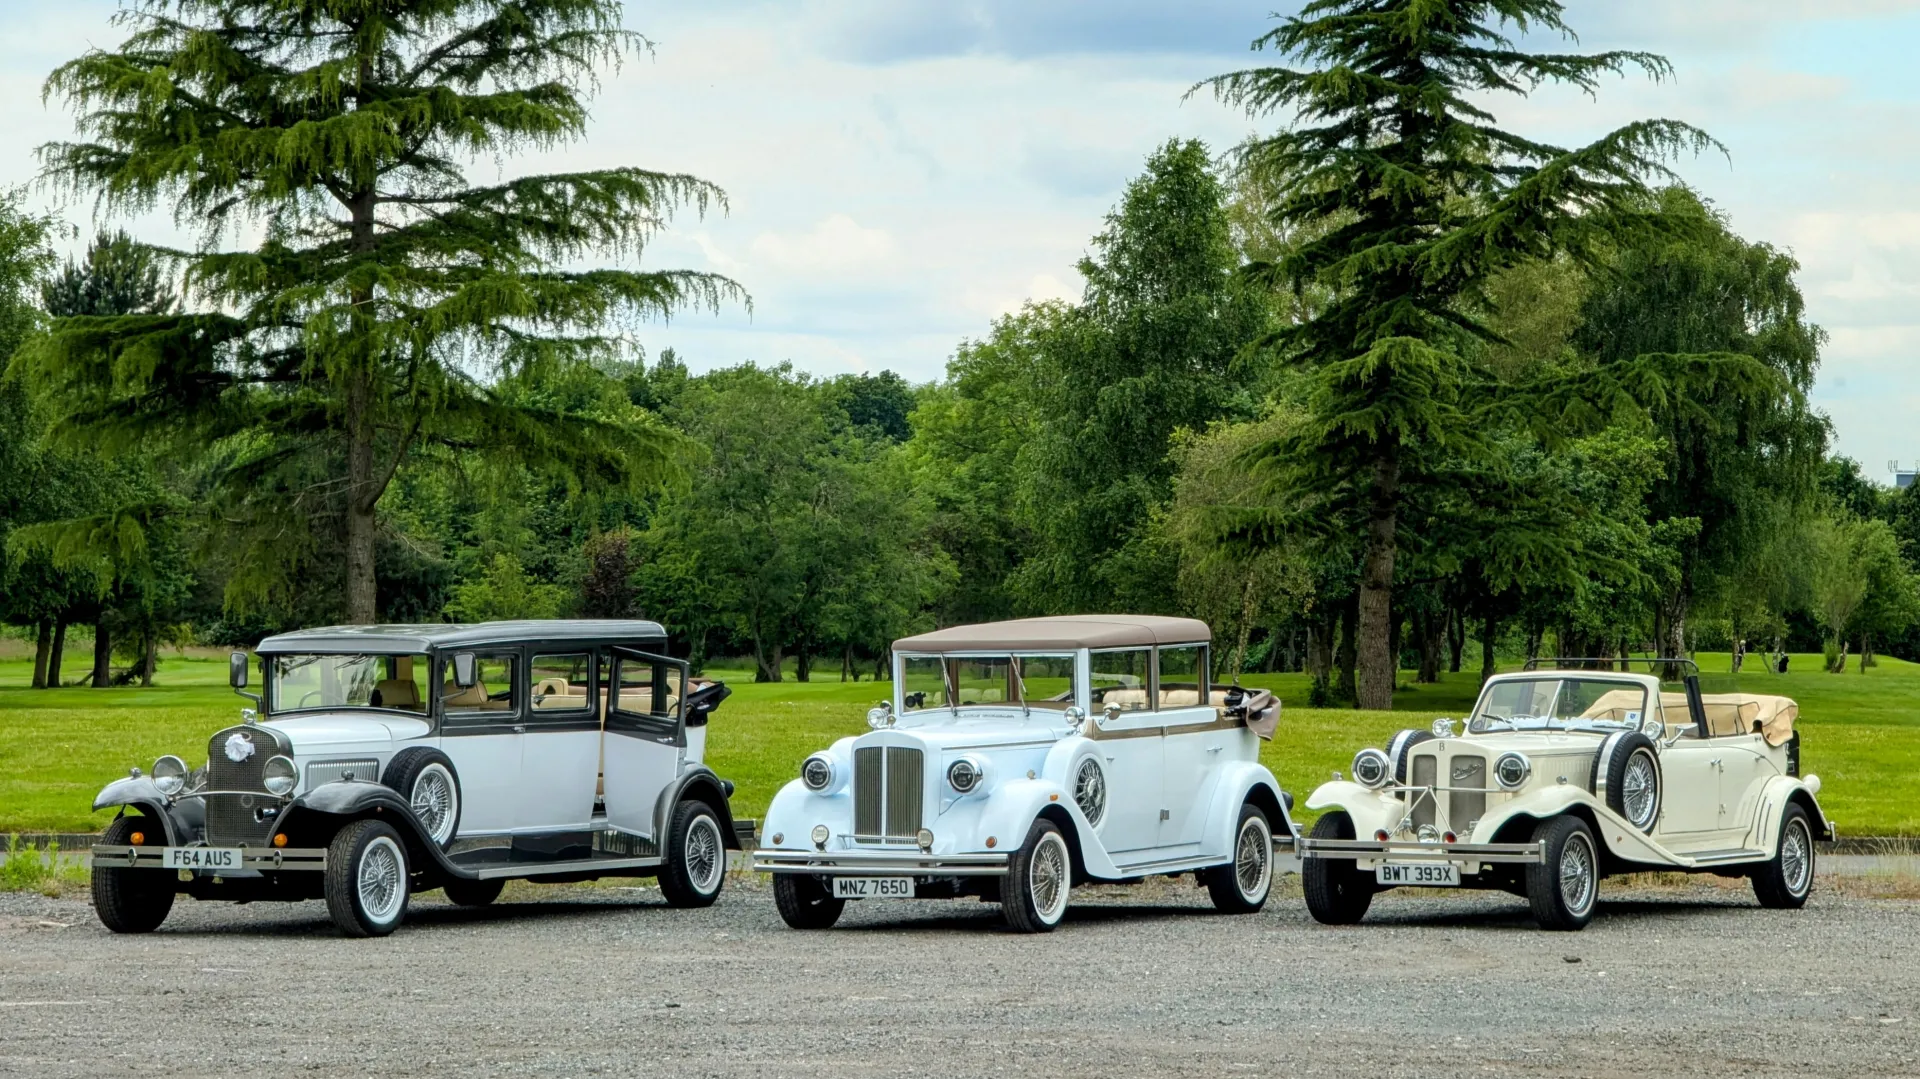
{"x":1007,"y":813}
{"x":1371,"y":810}
{"x":140,"y":793}
{"x":1621,"y":839}
{"x":316,"y":815}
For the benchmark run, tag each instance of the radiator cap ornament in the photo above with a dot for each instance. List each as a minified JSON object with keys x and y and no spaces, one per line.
{"x":239,"y":747}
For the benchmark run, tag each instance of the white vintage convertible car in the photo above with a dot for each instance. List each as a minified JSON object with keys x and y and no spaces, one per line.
{"x":387,"y":760}
{"x":1017,"y":759}
{"x":1562,"y":777}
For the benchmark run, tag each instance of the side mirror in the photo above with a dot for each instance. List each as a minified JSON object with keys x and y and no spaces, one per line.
{"x":463,"y":670}
{"x":1110,"y":713}
{"x":237,"y":670}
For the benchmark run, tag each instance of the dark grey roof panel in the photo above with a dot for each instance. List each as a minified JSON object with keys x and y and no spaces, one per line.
{"x":424,"y":637}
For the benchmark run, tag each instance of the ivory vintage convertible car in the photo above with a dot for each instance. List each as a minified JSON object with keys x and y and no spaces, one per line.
{"x":1017,"y":759}
{"x":387,"y":760}
{"x":1562,"y":777}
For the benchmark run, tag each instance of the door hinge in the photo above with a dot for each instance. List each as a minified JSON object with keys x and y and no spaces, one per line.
{"x":1166,"y":814}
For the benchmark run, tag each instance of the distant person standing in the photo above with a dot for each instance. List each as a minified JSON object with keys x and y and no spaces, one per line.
{"x":1739,"y":655}
{"x":1783,"y":662}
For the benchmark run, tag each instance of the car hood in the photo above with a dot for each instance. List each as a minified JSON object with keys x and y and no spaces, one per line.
{"x":1532,"y":742}
{"x":983,"y":732}
{"x":347,"y":728}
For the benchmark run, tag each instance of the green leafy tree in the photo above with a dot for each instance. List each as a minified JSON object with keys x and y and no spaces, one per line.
{"x":505,"y":592}
{"x":385,"y":286}
{"x":1429,"y":200}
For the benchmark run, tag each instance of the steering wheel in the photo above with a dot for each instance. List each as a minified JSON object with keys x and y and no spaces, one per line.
{"x":309,"y":695}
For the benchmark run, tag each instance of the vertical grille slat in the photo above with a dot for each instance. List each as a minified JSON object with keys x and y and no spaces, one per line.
{"x":867,"y":780}
{"x":905,"y":774}
{"x":888,"y":784}
{"x":1425,"y":766}
{"x":1466,"y":806}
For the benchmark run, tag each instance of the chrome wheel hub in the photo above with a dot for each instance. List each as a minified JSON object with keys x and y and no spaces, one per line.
{"x":1796,"y":858}
{"x":1253,"y":860}
{"x":1090,"y":791}
{"x":1578,"y":875}
{"x":1640,"y":790}
{"x":1048,"y":880}
{"x":434,"y":802}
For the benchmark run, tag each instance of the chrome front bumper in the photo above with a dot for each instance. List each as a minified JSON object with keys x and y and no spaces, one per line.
{"x":1414,"y":851}
{"x":312,"y":858}
{"x":878,"y":863}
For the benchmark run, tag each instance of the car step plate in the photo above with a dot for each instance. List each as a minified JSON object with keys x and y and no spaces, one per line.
{"x":1419,"y":875}
{"x":873,"y":887}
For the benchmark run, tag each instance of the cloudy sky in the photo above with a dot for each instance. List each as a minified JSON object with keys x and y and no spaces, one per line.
{"x":900,"y":172}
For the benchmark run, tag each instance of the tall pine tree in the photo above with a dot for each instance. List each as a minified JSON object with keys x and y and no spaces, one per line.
{"x":386,"y":292}
{"x":1412,"y":199}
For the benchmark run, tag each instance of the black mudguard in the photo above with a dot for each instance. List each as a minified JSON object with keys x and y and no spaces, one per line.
{"x":699,"y":780}
{"x":325,"y":809}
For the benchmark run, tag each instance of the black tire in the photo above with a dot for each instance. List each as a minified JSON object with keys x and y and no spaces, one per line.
{"x":1626,"y":773}
{"x":1786,"y":880}
{"x":367,"y":879}
{"x":1033,"y":898}
{"x":429,"y":783}
{"x":132,"y":900}
{"x":805,"y":902}
{"x":473,"y":893}
{"x":1564,"y":889}
{"x":696,"y":856}
{"x":1397,"y":747}
{"x":1242,"y":885}
{"x":1337,"y":892}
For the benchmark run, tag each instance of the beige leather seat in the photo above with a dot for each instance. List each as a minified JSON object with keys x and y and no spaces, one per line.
{"x":472,"y":699}
{"x":396,"y":693}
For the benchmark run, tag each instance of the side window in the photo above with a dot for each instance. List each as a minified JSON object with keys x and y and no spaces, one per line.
{"x":492,"y":690}
{"x":561,"y":683}
{"x":649,"y":689}
{"x":1183,"y":676}
{"x":1120,"y":678}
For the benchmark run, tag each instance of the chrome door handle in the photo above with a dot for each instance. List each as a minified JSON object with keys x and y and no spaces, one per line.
{"x":519,"y":728}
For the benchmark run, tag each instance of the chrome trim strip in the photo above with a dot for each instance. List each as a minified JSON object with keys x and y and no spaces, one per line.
{"x":865,"y":864}
{"x":268,"y":858}
{"x":1412,"y":851}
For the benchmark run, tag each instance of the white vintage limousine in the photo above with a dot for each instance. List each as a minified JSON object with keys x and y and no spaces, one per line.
{"x":1561,"y":777}
{"x":1017,"y":759}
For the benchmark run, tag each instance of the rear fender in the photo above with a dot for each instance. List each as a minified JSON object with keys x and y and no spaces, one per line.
{"x":1774,"y":798}
{"x":696,"y":782}
{"x":1239,"y":783}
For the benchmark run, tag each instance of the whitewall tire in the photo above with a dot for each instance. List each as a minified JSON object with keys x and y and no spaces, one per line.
{"x":1033,"y":895}
{"x":367,"y":879}
{"x":1242,"y":885}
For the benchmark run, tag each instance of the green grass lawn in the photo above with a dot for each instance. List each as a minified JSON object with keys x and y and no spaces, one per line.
{"x":1861,"y":733}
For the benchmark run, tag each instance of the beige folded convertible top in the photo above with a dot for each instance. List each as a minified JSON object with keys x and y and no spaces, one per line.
{"x":1741,"y":713}
{"x":1061,"y":633}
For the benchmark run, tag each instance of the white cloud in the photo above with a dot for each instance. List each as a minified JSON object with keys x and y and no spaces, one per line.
{"x":837,"y":244}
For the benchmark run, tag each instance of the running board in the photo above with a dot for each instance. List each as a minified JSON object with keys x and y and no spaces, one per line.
{"x":517,"y":870}
{"x":1727,"y":857}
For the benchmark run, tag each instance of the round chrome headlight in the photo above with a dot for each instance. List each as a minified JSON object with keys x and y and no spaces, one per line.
{"x":170,"y":775}
{"x":1371,"y":768}
{"x":279,"y":776}
{"x":966,"y":775}
{"x":818,"y":772}
{"x":879,"y":717}
{"x":1512,"y":769}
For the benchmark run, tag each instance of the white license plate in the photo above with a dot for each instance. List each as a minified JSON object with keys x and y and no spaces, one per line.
{"x":203,"y":858}
{"x":873,"y":887}
{"x":1420,"y":875}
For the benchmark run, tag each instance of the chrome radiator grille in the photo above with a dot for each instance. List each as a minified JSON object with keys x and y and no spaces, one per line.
{"x":888,"y":783}
{"x":233,"y":818}
{"x":1466,"y":773}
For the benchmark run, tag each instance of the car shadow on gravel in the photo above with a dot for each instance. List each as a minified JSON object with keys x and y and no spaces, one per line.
{"x":309,"y":918}
{"x":1438,"y":913}
{"x":901,"y":918}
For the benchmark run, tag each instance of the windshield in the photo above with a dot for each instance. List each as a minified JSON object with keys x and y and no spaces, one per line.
{"x":319,"y":680}
{"x":1561,"y":703}
{"x":1028,"y":682}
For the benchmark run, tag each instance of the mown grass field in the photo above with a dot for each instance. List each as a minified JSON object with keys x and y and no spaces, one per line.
{"x":1861,"y":734}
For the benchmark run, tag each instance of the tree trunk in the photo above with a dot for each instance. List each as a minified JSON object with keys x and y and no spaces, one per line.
{"x":1431,"y":630}
{"x":766,"y":662}
{"x":102,"y":655}
{"x":42,"y":649}
{"x":59,"y":650}
{"x":1866,"y":652}
{"x":1671,"y":630}
{"x":1378,"y":666}
{"x":362,"y":608}
{"x":1488,"y":630}
{"x":803,"y":668}
{"x":148,"y":657}
{"x":1346,"y":658}
{"x":1319,"y":650}
{"x":1456,"y":638}
{"x":1535,"y":632}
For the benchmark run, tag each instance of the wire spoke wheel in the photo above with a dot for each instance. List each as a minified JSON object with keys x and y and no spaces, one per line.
{"x":1090,"y":791}
{"x":704,"y":854}
{"x":1796,"y":863}
{"x":381,"y":880}
{"x":1048,"y":881}
{"x":1578,"y":876}
{"x":434,"y":801}
{"x":1253,"y":859}
{"x":1640,"y":790}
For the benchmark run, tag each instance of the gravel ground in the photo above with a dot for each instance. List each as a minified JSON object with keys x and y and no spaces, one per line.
{"x":1689,"y":980}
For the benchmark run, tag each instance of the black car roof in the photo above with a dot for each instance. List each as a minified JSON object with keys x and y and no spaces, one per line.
{"x":421,"y":638}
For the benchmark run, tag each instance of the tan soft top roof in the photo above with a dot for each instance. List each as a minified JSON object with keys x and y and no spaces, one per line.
{"x":1059,"y":633}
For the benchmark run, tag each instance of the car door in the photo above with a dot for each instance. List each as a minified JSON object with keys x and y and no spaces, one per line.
{"x":481,"y":732}
{"x":560,"y":751}
{"x":1127,"y":728}
{"x":1193,"y":744}
{"x":645,"y":736}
